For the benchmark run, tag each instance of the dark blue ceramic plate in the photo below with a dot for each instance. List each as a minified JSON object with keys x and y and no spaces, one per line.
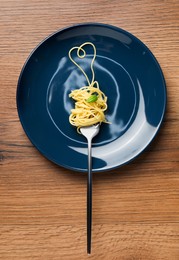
{"x":128,"y":74}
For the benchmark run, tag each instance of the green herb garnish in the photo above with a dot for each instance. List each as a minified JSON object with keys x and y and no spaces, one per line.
{"x":92,"y":98}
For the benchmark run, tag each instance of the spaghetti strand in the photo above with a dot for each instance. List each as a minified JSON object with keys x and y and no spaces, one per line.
{"x":87,"y":112}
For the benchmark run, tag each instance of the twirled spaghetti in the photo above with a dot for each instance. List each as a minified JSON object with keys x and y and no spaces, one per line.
{"x":90,"y":101}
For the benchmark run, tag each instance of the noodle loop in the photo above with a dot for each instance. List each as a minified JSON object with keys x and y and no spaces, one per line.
{"x":87,"y":112}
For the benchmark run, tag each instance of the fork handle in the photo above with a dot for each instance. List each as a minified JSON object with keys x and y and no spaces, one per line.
{"x":89,"y":199}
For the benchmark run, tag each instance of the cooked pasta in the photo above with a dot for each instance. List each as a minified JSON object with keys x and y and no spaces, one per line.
{"x":90,"y":101}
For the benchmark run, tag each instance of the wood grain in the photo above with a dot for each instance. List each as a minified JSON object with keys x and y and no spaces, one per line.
{"x":42,"y":206}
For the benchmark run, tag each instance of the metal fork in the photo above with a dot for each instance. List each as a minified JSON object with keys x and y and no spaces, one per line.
{"x":89,"y":132}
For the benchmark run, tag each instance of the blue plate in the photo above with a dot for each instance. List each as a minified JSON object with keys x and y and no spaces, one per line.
{"x":127,"y":73}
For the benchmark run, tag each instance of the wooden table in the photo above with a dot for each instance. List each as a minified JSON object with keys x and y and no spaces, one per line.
{"x":43,"y":206}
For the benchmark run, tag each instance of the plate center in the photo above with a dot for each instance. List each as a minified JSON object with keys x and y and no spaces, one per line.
{"x":113,"y":80}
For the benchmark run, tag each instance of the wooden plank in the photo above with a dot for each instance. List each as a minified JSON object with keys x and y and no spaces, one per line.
{"x":43,"y":206}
